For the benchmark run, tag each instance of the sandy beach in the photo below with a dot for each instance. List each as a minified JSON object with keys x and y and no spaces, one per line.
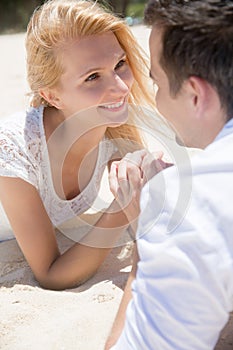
{"x":30,"y":316}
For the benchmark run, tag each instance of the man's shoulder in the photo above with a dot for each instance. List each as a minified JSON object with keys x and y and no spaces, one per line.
{"x":196,"y":193}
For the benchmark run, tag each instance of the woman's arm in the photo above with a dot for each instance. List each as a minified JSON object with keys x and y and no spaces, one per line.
{"x":36,"y":237}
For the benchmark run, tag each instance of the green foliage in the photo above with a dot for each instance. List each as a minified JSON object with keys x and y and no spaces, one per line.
{"x":135,"y":10}
{"x":132,"y":8}
{"x":15,"y":14}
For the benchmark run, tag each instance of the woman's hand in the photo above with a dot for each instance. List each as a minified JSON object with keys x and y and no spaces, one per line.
{"x":129,"y":175}
{"x":125,"y":180}
{"x":152,"y":164}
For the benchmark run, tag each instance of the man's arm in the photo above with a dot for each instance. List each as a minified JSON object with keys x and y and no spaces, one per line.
{"x":173,"y":307}
{"x":127,"y":177}
{"x":182,"y":293}
{"x":120,"y":317}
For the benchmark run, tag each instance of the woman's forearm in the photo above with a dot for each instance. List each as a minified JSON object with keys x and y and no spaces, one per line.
{"x":83,"y":259}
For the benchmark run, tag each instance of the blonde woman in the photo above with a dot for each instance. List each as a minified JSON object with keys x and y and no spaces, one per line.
{"x":84,"y":66}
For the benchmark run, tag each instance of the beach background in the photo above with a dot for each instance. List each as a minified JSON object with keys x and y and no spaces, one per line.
{"x":30,"y":316}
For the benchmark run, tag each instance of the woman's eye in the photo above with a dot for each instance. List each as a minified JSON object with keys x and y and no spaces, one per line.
{"x":120,"y":63}
{"x":92,"y":77}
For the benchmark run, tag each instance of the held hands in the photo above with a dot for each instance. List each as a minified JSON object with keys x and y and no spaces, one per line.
{"x":129,"y":175}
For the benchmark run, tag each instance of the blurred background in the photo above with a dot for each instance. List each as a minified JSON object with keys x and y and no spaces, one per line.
{"x":15,"y":14}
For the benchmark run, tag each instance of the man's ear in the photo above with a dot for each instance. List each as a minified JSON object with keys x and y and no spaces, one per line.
{"x":203,"y":96}
{"x":51,"y":97}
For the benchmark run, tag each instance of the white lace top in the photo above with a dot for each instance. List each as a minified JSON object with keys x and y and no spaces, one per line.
{"x":24,"y":154}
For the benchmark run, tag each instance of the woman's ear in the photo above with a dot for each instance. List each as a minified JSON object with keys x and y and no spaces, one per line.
{"x":51,"y":97}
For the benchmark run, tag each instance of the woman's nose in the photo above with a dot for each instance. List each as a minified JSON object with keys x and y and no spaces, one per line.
{"x":117,"y":85}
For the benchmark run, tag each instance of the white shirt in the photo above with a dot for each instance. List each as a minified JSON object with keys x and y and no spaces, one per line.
{"x":24,"y":154}
{"x":183,"y":291}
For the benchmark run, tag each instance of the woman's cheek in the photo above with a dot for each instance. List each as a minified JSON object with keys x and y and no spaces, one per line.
{"x":130,"y":78}
{"x":127,"y":77}
{"x":92,"y":97}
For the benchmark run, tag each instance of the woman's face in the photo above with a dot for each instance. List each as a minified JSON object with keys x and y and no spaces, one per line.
{"x":96,"y":74}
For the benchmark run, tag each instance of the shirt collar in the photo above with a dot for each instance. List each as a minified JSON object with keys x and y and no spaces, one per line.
{"x":227,"y":129}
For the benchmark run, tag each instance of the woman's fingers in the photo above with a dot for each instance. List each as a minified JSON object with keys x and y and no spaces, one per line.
{"x":127,"y":176}
{"x":113,"y":178}
{"x":125,"y":183}
{"x":122,"y":170}
{"x":152,"y":164}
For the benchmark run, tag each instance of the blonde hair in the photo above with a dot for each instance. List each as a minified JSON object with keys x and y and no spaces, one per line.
{"x":53,"y":24}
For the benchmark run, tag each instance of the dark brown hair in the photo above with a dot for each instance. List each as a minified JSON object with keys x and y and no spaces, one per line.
{"x":197,"y":41}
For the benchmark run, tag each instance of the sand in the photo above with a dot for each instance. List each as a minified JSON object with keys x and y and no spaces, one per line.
{"x":30,"y":316}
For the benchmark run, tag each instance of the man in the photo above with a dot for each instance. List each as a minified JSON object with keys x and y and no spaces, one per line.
{"x":183,"y":290}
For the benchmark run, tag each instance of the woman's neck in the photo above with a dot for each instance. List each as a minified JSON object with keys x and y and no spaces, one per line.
{"x":73,"y":153}
{"x":70,"y":135}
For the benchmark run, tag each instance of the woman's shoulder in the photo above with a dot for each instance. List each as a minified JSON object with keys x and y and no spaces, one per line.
{"x":20,"y":134}
{"x":19,"y":124}
{"x":11,"y":128}
{"x":20,"y":145}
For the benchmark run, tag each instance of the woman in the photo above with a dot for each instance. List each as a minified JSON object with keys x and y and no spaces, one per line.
{"x":83,"y":67}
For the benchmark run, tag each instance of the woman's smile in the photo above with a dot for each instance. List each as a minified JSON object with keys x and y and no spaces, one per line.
{"x":114,"y":106}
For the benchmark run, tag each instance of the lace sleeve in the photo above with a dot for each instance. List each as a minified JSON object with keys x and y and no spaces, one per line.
{"x":14,"y":158}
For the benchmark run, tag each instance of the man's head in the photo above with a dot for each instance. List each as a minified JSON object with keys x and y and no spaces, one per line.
{"x":191,"y":47}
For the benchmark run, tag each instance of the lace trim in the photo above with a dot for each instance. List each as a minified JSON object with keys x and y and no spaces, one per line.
{"x":23,"y":154}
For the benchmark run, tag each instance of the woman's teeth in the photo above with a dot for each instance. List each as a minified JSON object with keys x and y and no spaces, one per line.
{"x":114,"y":105}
